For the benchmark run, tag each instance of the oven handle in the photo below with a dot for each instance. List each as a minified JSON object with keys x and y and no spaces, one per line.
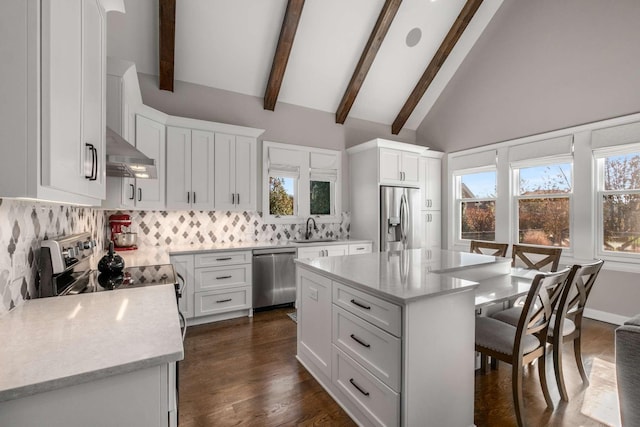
{"x":184,"y":321}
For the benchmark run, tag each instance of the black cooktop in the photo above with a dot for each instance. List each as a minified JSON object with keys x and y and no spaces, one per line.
{"x":130,"y":277}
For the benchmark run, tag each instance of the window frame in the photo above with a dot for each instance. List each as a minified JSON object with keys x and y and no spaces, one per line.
{"x":515,"y":196}
{"x":457,"y":180}
{"x":599,"y":156}
{"x":302,"y":204}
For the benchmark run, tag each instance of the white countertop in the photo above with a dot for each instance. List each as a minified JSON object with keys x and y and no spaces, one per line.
{"x":50,"y":343}
{"x":404,"y":276}
{"x":149,"y":255}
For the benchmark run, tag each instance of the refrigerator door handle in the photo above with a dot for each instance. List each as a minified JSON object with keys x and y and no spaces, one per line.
{"x":404,"y":218}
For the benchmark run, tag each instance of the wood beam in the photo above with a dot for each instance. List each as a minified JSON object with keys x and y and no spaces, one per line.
{"x":167,"y":43}
{"x":376,"y":38}
{"x":281,"y":57}
{"x":449,"y":42}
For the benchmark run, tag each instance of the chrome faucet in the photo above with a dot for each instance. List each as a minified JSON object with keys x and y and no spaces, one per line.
{"x":307,"y":235}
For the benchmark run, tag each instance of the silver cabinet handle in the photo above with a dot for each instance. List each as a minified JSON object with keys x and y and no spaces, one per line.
{"x":223,"y":300}
{"x":133,"y":192}
{"x":360,"y":389}
{"x":139,"y":194}
{"x":223,"y":277}
{"x":233,"y":198}
{"x":188,"y":196}
{"x":194,"y":197}
{"x":238,"y":198}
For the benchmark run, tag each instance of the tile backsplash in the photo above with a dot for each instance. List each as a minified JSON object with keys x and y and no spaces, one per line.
{"x":23,"y":226}
{"x":156,"y":228}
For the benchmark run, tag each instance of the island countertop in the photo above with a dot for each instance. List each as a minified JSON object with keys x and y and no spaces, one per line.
{"x":51,"y":343}
{"x":409,"y":275}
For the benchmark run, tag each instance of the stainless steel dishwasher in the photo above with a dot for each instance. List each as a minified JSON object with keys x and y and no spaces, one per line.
{"x":274,"y":277}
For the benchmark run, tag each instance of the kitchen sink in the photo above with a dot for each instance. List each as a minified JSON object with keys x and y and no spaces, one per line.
{"x":314,"y":240}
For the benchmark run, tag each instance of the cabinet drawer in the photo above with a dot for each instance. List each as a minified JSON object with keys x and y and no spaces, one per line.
{"x":220,"y":301}
{"x":378,"y":402}
{"x":217,"y":277}
{"x":373,"y":348}
{"x":383,"y":314}
{"x":360,"y":248}
{"x":222,"y":258}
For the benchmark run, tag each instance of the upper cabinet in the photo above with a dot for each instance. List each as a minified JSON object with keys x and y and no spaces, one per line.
{"x":399,"y":167}
{"x":189,"y":169}
{"x":235,"y":172}
{"x":53,"y":92}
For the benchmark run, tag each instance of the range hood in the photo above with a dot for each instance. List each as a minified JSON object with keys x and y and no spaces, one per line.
{"x":123,"y":159}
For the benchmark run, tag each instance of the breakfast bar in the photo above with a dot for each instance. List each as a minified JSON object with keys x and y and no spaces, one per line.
{"x":391,"y":335}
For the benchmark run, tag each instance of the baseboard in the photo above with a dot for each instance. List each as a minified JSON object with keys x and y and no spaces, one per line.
{"x":603,"y":316}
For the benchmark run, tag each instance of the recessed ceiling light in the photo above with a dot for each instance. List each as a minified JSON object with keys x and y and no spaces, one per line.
{"x":413,"y":37}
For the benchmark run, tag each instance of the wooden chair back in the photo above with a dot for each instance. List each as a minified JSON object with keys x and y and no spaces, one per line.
{"x":542,"y":299}
{"x":489,"y":248}
{"x":535,"y":257}
{"x":574,"y":297}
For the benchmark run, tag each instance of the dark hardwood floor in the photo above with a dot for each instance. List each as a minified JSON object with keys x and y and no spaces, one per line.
{"x":244,"y":372}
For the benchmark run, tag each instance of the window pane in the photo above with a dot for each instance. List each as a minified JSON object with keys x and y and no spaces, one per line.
{"x":622,"y":172}
{"x":478,"y":220}
{"x":544,"y":221}
{"x":621,"y":222}
{"x":281,"y":195}
{"x":548,"y":179}
{"x":478,"y":185}
{"x":320,"y":197}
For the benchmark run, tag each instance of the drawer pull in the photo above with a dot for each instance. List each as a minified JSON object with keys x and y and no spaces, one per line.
{"x":223,"y":300}
{"x":360,"y":249}
{"x":223,"y":259}
{"x":353,"y":383}
{"x":223,"y":277}
{"x":359,"y":341}
{"x":366,"y":307}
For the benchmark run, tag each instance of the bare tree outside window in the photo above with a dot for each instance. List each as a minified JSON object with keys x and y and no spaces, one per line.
{"x":621,"y":203}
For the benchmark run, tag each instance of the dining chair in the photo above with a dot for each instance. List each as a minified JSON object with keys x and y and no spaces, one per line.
{"x":535,"y":257}
{"x":567,"y":319}
{"x":489,"y":248}
{"x":519,"y":345}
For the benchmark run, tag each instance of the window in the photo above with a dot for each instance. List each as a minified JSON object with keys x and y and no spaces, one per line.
{"x":477,"y":205}
{"x":300,"y":182}
{"x":282,"y":195}
{"x":619,"y":202}
{"x":543,"y":204}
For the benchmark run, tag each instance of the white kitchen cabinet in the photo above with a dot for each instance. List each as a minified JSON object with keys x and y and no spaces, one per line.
{"x":150,"y":139}
{"x":431,"y":181}
{"x":183,"y":265}
{"x":235,"y":172}
{"x":360,"y":248}
{"x":53,"y":100}
{"x":399,"y":167}
{"x":314,"y":328}
{"x":190,"y":169}
{"x":432,"y":229}
{"x":323,"y":251}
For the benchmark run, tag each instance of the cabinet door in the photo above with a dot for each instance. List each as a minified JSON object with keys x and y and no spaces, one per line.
{"x":184,"y":267}
{"x":410,"y":167}
{"x":65,"y":159}
{"x":225,"y":185}
{"x":150,"y":139}
{"x":432,"y":229}
{"x":202,"y":170}
{"x":245,"y":173}
{"x":390,"y":165}
{"x":93,"y":89}
{"x":178,"y":168}
{"x":431,"y":179}
{"x":314,"y":319}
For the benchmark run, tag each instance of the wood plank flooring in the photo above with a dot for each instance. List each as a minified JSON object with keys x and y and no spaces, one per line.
{"x":244,"y":372}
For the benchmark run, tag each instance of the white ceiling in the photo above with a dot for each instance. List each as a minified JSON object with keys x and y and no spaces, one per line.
{"x":230,"y":45}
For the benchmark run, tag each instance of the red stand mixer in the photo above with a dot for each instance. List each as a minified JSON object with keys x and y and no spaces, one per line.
{"x":121,"y":233}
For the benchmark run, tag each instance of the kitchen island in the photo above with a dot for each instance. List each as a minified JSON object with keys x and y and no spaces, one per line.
{"x":99,"y":359}
{"x":391,"y":335}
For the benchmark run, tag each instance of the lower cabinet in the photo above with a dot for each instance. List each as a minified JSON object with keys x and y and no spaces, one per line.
{"x":334,"y":250}
{"x":146,"y":397}
{"x":217,"y":285}
{"x":384,"y":363}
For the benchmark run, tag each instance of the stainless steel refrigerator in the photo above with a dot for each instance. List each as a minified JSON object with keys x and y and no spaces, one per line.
{"x":399,"y":218}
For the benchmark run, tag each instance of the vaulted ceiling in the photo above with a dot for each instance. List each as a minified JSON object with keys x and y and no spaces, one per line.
{"x":384,"y":61}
